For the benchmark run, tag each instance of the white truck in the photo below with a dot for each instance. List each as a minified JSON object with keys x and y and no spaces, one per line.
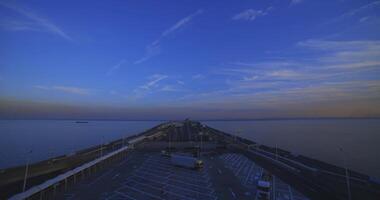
{"x":186,"y":161}
{"x":263,"y":190}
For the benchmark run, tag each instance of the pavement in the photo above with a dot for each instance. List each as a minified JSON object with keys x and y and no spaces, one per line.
{"x":148,"y":175}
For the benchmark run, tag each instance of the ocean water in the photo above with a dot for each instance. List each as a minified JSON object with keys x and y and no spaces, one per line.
{"x":320,"y":139}
{"x":48,"y":138}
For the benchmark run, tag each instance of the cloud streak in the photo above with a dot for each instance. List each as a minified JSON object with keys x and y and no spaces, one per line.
{"x":335,"y":71}
{"x":154,"y":48}
{"x":181,"y":23}
{"x":154,"y":80}
{"x":115,"y":67}
{"x":251,"y":14}
{"x":65,"y":89}
{"x":294,"y":2}
{"x":355,"y":12}
{"x":35,"y":23}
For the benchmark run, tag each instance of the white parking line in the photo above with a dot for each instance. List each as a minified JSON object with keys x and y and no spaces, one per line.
{"x":125,"y":195}
{"x":249,"y":173}
{"x":100,"y":177}
{"x":208,"y":187}
{"x":232,"y":193}
{"x":116,"y":175}
{"x":155,"y":175}
{"x":140,"y":191}
{"x":274,"y":188}
{"x":290,"y":193}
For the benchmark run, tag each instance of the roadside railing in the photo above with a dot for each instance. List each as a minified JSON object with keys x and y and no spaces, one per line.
{"x":52,"y":183}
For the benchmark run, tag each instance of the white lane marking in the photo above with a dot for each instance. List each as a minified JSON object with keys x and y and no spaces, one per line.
{"x":125,"y":195}
{"x":232,"y":193}
{"x":274,"y":188}
{"x":68,"y":196}
{"x":100,"y":177}
{"x":249,"y":173}
{"x":205,"y":193}
{"x":116,"y":175}
{"x":142,"y":192}
{"x":122,"y":163}
{"x":290,"y":192}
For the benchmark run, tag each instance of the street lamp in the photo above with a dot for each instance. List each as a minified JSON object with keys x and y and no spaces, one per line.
{"x":26,"y":170}
{"x":347,"y":175}
{"x":200,"y":147}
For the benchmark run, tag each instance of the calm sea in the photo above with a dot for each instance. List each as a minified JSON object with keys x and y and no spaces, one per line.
{"x":320,"y":139}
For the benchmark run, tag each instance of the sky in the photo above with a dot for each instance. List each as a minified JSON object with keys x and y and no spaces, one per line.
{"x":166,"y":59}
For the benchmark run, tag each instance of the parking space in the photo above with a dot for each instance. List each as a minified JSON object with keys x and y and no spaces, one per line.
{"x":151,"y":176}
{"x":283,"y":191}
{"x":156,"y":178}
{"x":249,"y":173}
{"x":243,"y":168}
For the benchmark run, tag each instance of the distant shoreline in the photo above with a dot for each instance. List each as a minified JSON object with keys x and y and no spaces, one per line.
{"x":205,"y":120}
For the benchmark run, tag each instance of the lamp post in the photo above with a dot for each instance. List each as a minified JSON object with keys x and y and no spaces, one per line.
{"x":101,"y":147}
{"x":200,"y":147}
{"x":276,"y":152}
{"x":347,"y":175}
{"x":26,"y":171}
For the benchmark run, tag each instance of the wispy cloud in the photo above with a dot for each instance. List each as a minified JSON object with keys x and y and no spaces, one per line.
{"x":65,"y":89}
{"x":158,"y":83}
{"x":150,"y":51}
{"x":333,"y":71}
{"x":358,"y":54}
{"x":251,"y":14}
{"x":170,"y":88}
{"x":154,"y":48}
{"x":34,"y":23}
{"x":198,"y":76}
{"x":17,"y":25}
{"x":180,"y":82}
{"x":294,"y":2}
{"x":151,"y":84}
{"x":153,"y":81}
{"x":364,"y":19}
{"x":329,"y":59}
{"x":181,"y":23}
{"x":115,"y":67}
{"x":354,"y":12}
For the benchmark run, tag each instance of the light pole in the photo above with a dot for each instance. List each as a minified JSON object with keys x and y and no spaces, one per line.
{"x":200,"y":147}
{"x":101,"y":147}
{"x":347,"y":175}
{"x":26,"y":171}
{"x":170,"y":144}
{"x":201,"y":140}
{"x":276,"y":152}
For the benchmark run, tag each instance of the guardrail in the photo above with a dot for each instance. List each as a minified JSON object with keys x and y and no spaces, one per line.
{"x":298,"y":164}
{"x":283,"y":161}
{"x":63,"y":177}
{"x":275,"y":161}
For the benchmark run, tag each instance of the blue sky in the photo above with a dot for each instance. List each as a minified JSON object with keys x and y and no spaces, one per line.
{"x":202,"y":59}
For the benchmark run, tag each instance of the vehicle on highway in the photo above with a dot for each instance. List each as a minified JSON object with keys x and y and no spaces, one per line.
{"x":186,"y":161}
{"x":264,"y":187}
{"x":165,"y":153}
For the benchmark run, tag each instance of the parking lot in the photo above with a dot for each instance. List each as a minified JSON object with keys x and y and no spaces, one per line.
{"x":144,"y":176}
{"x":249,"y":173}
{"x":283,"y":191}
{"x":244,"y":169}
{"x":156,"y":178}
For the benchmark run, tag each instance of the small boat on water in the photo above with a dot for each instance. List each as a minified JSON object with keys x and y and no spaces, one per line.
{"x":81,"y":122}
